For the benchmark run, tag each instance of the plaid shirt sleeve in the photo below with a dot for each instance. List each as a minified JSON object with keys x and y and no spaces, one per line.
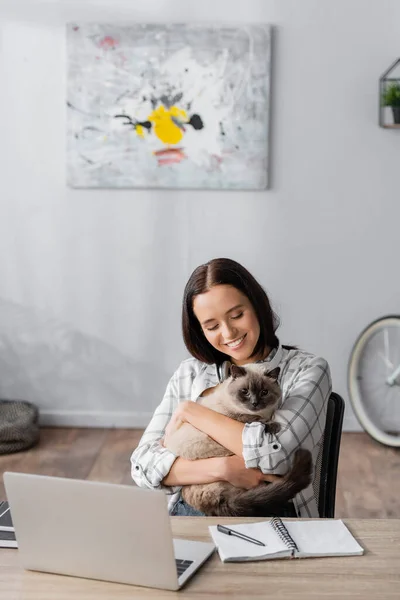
{"x":306,"y":385}
{"x":151,"y":462}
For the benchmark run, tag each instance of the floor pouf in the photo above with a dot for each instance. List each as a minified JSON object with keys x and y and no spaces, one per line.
{"x":19,"y":427}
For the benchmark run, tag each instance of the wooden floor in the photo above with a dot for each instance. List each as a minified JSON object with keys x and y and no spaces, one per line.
{"x":368,"y":479}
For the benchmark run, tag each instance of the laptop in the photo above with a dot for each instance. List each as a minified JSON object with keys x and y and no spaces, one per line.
{"x":99,"y":530}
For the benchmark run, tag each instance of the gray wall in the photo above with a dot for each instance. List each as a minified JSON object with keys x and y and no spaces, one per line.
{"x":91,"y":280}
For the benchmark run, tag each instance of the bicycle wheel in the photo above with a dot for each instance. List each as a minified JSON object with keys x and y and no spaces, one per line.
{"x":374,"y":380}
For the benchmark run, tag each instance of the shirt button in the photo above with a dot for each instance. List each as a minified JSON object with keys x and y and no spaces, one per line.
{"x":137,"y":467}
{"x":274,"y":446}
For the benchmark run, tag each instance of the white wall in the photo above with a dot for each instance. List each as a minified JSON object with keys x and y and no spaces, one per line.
{"x":91,"y":280}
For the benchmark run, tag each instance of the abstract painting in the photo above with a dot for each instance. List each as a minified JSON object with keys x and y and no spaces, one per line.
{"x":168,"y":106}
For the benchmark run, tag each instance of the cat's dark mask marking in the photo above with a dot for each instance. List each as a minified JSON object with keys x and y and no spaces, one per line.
{"x":254,"y":390}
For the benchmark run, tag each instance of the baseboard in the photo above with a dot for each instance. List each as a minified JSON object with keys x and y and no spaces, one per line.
{"x":108,"y":419}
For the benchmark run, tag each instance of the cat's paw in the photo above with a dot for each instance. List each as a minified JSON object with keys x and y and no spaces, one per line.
{"x":273,"y":427}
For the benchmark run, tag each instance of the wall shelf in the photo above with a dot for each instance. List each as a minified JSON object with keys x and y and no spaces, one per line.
{"x":389,"y":84}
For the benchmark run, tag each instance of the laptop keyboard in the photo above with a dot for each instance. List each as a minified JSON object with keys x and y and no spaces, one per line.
{"x":182,"y":565}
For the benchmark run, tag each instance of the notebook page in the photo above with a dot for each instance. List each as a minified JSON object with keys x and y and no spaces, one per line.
{"x":322,"y":538}
{"x":231,"y":548}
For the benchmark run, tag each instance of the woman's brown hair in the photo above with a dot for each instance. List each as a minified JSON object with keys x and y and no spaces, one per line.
{"x":224,"y":271}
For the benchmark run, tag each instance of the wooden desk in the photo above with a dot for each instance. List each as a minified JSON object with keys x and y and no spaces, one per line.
{"x":375,"y":575}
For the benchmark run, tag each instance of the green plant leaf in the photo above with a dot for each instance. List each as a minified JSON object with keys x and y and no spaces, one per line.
{"x":391,"y":95}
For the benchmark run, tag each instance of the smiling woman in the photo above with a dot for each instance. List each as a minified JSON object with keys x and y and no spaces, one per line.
{"x":227,"y":318}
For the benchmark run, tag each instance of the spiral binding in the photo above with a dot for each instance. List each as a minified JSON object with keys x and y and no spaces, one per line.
{"x":283,"y":533}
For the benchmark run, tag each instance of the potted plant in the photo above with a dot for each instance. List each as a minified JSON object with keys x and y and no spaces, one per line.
{"x":391,"y":97}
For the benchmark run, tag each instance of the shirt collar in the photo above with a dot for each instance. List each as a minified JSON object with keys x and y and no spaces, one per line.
{"x":273,"y":359}
{"x":208,"y":377}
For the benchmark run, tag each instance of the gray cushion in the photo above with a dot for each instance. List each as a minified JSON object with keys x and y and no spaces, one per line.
{"x":19,"y":428}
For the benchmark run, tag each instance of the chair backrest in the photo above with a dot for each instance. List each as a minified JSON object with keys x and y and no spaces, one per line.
{"x":330,"y":456}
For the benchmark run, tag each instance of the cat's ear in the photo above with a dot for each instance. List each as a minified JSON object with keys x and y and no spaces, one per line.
{"x":237,"y":371}
{"x":273,"y":374}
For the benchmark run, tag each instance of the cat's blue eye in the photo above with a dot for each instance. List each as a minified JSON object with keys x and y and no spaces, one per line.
{"x":264,"y":393}
{"x":244,"y":390}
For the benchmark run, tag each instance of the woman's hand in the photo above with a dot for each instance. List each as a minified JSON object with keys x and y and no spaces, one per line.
{"x":235,"y":473}
{"x":224,"y":430}
{"x":176,"y":421}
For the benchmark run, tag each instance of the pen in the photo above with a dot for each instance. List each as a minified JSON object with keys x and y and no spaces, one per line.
{"x":242,"y":536}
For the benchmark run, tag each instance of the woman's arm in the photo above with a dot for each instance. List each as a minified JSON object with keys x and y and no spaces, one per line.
{"x":222,"y":429}
{"x":210,"y":470}
{"x":150,"y":461}
{"x":188,"y":472}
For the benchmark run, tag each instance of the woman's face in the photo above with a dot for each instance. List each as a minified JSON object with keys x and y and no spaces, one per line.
{"x":229,"y":322}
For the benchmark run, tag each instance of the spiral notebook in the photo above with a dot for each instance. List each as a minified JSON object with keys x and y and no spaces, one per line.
{"x":286,"y":539}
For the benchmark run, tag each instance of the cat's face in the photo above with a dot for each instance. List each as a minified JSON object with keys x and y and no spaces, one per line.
{"x":255,"y":391}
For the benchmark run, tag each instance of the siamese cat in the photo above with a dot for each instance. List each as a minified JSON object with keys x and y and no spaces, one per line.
{"x":249,"y":394}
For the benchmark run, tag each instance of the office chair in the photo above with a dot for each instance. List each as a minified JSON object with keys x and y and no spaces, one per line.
{"x":328,"y":458}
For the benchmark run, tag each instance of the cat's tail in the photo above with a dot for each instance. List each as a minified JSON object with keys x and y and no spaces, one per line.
{"x":268,"y":499}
